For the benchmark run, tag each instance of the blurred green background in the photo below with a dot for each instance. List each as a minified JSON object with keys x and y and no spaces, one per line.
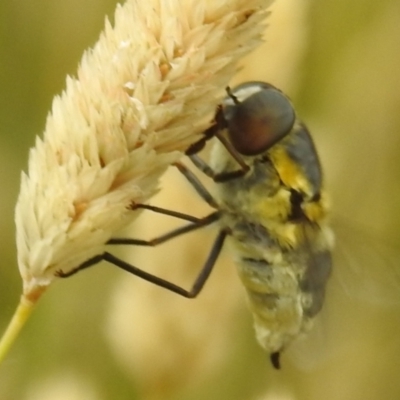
{"x":103,"y":335}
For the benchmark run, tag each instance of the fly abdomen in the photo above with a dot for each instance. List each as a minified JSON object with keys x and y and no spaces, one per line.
{"x":276,"y":300}
{"x":285,"y":286}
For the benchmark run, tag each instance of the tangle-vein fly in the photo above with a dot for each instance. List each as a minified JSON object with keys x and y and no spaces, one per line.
{"x":270,"y":205}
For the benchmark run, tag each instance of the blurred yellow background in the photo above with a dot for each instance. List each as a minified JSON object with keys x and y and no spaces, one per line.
{"x":106,"y":335}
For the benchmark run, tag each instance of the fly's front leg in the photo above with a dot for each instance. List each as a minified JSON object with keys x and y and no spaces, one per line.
{"x":198,"y":186}
{"x":221,"y":176}
{"x":199,"y":281}
{"x":217,"y":130}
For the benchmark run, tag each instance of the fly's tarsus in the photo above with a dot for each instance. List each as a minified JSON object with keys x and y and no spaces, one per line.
{"x":219,"y":124}
{"x":88,"y":263}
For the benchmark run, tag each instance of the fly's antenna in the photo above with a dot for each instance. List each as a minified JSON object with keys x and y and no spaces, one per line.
{"x":231,"y":95}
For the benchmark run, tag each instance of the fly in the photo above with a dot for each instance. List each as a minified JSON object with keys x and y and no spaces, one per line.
{"x":270,"y":205}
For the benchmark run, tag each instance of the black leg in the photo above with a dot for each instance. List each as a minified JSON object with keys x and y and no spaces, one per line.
{"x":217,"y":130}
{"x":197,"y":185}
{"x":165,"y":211}
{"x":193,"y":292}
{"x":208,"y":220}
{"x":222,"y":176}
{"x":89,"y":263}
{"x":208,"y":134}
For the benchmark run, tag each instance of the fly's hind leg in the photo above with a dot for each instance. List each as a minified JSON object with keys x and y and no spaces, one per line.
{"x":197,"y":285}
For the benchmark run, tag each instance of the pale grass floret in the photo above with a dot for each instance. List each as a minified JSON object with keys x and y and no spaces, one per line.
{"x":146,"y":90}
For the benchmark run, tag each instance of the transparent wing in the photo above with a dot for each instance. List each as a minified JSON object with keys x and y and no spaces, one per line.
{"x":362,"y":300}
{"x":366,"y":267}
{"x":310,"y":350}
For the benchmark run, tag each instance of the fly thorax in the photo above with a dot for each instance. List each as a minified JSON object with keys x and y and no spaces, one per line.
{"x":258,"y":196}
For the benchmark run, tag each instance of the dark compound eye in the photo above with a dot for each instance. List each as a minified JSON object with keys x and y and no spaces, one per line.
{"x":257,"y":115}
